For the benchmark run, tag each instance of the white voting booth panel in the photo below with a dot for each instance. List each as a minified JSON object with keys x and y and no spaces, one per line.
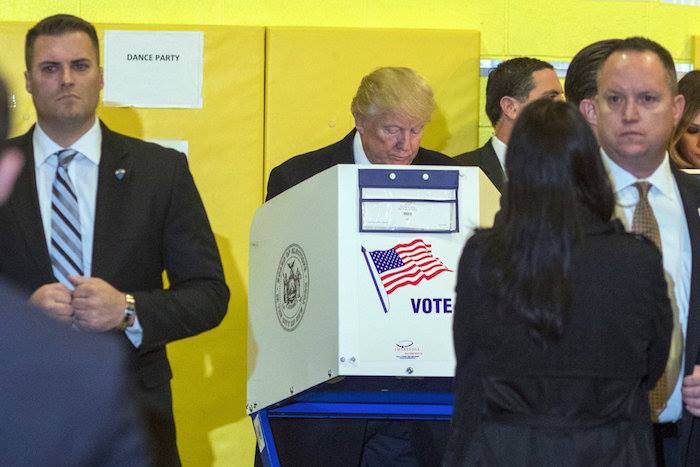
{"x":352,"y":272}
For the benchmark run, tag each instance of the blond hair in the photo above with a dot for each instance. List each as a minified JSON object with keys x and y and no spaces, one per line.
{"x":394,"y":89}
{"x":689,"y":87}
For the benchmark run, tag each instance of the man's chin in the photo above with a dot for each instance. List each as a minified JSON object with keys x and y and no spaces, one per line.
{"x":401,"y":160}
{"x":639,"y":157}
{"x":631,"y":151}
{"x":74,"y":118}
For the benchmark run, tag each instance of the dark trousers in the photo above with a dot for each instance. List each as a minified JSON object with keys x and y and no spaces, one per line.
{"x":352,"y":442}
{"x":157,"y":409}
{"x":666,"y":442}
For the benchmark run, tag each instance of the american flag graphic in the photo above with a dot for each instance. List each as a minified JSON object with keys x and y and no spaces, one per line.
{"x":406,"y":264}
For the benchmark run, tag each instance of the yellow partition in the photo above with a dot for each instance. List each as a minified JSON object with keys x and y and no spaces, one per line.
{"x":696,"y":52}
{"x":225,"y":153}
{"x":312,"y":75}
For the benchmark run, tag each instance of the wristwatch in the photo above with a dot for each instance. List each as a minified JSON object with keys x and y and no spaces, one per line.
{"x":129,"y":313}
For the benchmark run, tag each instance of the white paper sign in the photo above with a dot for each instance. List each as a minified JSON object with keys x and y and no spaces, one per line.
{"x":157,"y":69}
{"x":414,"y":215}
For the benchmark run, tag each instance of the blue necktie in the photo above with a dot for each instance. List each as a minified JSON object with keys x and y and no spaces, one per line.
{"x":66,"y":244}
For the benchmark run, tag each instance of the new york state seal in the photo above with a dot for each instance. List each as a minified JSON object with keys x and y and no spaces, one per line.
{"x":291,"y":287}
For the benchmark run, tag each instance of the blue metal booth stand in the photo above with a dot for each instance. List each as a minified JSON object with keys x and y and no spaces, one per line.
{"x":359,"y":397}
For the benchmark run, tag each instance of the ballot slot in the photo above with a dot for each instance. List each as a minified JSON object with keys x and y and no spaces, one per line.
{"x":401,"y":200}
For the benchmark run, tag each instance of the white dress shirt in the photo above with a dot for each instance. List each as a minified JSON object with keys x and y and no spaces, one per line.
{"x":358,"y":152}
{"x":500,"y":148}
{"x":665,"y":201}
{"x":83,"y":171}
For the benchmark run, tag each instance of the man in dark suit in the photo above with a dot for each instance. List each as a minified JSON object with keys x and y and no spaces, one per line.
{"x":510,"y":86}
{"x":48,"y":372}
{"x":634,"y":112}
{"x":390,"y":108}
{"x":96,"y":217}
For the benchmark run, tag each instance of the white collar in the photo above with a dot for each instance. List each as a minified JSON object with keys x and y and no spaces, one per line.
{"x":662,"y":178}
{"x":89,"y":145}
{"x":358,"y":152}
{"x":500,"y":148}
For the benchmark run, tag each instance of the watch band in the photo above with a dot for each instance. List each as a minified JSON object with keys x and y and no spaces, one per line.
{"x":129,"y":313}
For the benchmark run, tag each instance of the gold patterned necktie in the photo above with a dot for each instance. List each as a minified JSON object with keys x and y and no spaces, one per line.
{"x":644,"y":223}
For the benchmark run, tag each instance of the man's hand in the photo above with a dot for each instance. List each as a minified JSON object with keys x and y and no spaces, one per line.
{"x":55,"y":300}
{"x":691,"y":392}
{"x":97,"y":306}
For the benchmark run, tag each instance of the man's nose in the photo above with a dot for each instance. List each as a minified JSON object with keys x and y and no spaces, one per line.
{"x":630,"y":111}
{"x":66,"y":76}
{"x":401,"y":138}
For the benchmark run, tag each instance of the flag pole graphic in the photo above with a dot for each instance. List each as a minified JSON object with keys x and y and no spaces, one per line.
{"x":376,"y":286}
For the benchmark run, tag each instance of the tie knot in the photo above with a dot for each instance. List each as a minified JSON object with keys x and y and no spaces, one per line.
{"x":642,"y":188}
{"x":65,"y":156}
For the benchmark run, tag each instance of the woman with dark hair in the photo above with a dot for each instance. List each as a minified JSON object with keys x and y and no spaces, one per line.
{"x":562,"y":321}
{"x":685,"y":144}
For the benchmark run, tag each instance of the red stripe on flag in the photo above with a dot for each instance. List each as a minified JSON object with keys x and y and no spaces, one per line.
{"x":417,"y":280}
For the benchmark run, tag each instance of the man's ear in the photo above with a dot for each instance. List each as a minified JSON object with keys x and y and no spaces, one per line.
{"x":589,"y":111}
{"x":359,"y":123}
{"x":27,"y":83}
{"x":678,"y":108}
{"x":510,"y":106}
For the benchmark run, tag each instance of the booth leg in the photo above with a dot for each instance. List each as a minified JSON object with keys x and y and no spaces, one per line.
{"x":266,"y":442}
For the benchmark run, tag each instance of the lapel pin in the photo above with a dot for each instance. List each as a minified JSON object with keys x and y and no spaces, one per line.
{"x":120,"y":173}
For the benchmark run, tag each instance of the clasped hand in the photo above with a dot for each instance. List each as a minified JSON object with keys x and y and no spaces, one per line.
{"x":94,"y":305}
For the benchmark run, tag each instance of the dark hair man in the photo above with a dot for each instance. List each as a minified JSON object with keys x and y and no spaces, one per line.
{"x":510,"y":87}
{"x":96,"y":217}
{"x":47,"y":373}
{"x":634,"y":113}
{"x":391,"y":107}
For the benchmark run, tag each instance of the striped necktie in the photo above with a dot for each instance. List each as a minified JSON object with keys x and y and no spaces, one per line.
{"x":66,"y":242}
{"x":644,"y":222}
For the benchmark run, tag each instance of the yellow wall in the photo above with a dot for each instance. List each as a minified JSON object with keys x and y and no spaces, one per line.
{"x":552,"y":29}
{"x":543,"y":28}
{"x":225,"y":157}
{"x":319,"y":84}
{"x":548,"y":29}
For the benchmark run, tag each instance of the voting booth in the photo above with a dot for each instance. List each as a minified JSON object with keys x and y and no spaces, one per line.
{"x":352,"y":277}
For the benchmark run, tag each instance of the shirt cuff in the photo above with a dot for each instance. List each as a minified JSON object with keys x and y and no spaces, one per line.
{"x":135,"y":333}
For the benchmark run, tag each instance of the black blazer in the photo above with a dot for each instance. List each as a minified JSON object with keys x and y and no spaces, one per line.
{"x":65,"y":397}
{"x":581,"y":400}
{"x":151,"y":221}
{"x":689,"y":188}
{"x":299,"y":168}
{"x":486,"y":159}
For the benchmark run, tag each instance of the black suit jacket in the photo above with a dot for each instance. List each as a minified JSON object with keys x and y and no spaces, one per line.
{"x":65,"y":397}
{"x":689,"y":189}
{"x":486,"y":159}
{"x":299,"y":168}
{"x":151,"y":221}
{"x":581,"y":400}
